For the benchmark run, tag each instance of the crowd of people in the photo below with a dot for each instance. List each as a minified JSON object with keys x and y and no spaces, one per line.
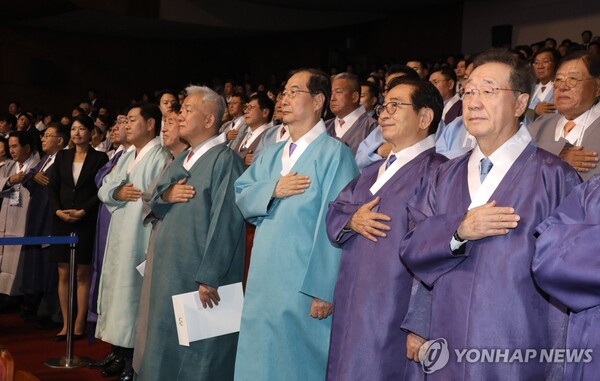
{"x":392,"y":221}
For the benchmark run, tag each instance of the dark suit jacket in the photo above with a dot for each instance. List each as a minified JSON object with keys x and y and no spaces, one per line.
{"x":543,"y":130}
{"x":64,"y":194}
{"x":355,"y":134}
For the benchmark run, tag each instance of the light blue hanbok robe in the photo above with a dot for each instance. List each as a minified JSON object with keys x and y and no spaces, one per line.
{"x":292,"y":263}
{"x":127,"y":241}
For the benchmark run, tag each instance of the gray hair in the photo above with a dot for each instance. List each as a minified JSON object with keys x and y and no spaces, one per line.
{"x":214,"y":101}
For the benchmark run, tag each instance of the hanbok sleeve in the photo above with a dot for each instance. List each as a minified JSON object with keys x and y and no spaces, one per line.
{"x":254,"y":192}
{"x":339,"y":213}
{"x":426,"y":247}
{"x":321,"y":272}
{"x":225,"y":233}
{"x":566,"y":263}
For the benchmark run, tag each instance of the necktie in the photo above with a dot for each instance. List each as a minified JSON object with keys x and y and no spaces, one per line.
{"x":391,"y":160}
{"x":292,"y":148}
{"x":568,"y":127}
{"x":543,"y":89}
{"x":189,"y":156}
{"x":341,"y":121}
{"x":485,"y":167}
{"x":282,"y":131}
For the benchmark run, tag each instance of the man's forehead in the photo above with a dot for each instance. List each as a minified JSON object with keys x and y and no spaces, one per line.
{"x":493,"y":72}
{"x":573,"y":66}
{"x":298,"y":79}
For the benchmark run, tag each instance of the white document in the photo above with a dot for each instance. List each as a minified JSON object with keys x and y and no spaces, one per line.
{"x":141,"y":268}
{"x":195,"y":322}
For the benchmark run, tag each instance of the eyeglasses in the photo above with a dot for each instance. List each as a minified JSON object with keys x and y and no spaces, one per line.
{"x":542,"y":63}
{"x":391,"y":107}
{"x":569,"y":82}
{"x":249,"y":107}
{"x":291,"y":93}
{"x":484,"y":91}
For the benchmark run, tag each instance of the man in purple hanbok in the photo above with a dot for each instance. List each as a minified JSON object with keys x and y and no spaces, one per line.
{"x":368,"y":220}
{"x":473,"y":238}
{"x":566,"y":265}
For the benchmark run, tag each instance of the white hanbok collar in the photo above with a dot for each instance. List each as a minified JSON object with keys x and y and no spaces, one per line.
{"x":402,"y":158}
{"x":135,"y":159}
{"x":502,"y":159}
{"x":201,"y":149}
{"x":287,"y":161}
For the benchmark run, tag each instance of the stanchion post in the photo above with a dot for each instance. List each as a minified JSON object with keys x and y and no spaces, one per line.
{"x":70,"y":361}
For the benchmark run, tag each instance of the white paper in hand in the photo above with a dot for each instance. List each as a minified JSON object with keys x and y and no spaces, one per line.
{"x":195,"y":322}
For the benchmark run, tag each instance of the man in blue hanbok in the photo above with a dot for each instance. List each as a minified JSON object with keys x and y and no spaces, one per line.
{"x":285,"y":325}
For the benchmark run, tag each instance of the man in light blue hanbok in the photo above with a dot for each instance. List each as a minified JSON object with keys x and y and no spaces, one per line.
{"x":127,"y":241}
{"x":285,"y":326}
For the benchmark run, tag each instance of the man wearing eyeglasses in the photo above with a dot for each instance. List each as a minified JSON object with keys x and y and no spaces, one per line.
{"x":351,"y":124}
{"x":544,"y":67}
{"x":473,"y":239}
{"x":237,"y":124}
{"x":368,"y":220}
{"x":257,"y":113}
{"x":574,"y":132}
{"x":285,"y":328}
{"x":451,"y":139}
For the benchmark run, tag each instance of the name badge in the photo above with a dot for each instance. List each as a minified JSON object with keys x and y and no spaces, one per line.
{"x":15,"y":199}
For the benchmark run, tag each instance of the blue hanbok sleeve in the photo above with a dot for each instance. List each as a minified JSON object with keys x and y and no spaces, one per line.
{"x":321,"y":272}
{"x":254,"y":192}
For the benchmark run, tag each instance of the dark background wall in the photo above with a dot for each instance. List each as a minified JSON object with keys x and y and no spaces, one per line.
{"x":51,"y":70}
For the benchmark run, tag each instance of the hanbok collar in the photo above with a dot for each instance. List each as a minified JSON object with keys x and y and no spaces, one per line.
{"x":136,"y":159}
{"x":202,"y":148}
{"x":287,"y":161}
{"x":502,"y":159}
{"x":252,"y":135}
{"x":349,"y":121}
{"x":402,"y":158}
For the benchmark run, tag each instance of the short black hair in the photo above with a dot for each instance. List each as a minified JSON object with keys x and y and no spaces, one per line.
{"x":591,"y":61}
{"x":403,"y":69}
{"x":264,"y":102}
{"x":424,"y":95}
{"x":318,"y":83}
{"x":10,"y":119}
{"x":150,"y":111}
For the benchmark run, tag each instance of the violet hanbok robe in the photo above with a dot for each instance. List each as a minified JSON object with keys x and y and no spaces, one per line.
{"x":292,"y":263}
{"x":567,"y":266}
{"x":100,"y":244}
{"x":486,"y":296}
{"x":373,"y":287}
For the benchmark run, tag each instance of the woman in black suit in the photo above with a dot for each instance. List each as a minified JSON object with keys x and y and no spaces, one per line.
{"x":74,"y":208}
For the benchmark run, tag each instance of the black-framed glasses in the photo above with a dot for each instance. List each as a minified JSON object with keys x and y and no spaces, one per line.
{"x":484,"y":91}
{"x":291,"y":93}
{"x":391,"y":107}
{"x":570,"y":82}
{"x":248,"y":107}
